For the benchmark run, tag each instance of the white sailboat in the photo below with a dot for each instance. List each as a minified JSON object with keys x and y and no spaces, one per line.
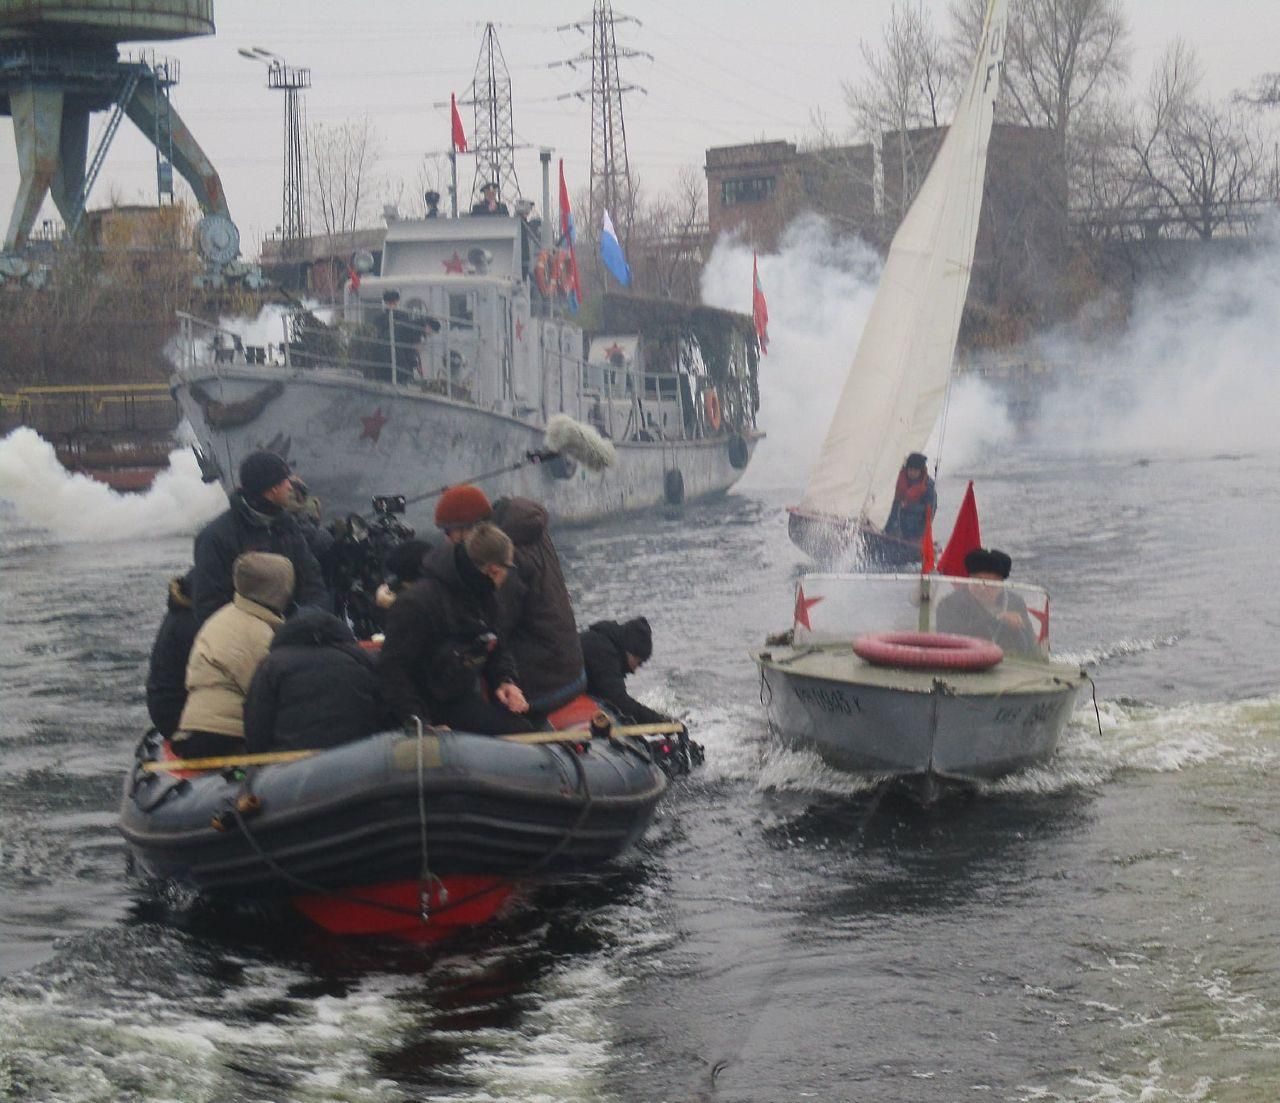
{"x":864,"y":678}
{"x":898,"y":382}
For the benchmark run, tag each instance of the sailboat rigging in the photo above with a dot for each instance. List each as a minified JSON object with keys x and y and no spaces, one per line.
{"x":897,"y":384}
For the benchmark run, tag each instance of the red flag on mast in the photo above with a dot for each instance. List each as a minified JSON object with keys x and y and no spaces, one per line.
{"x":759,"y":308}
{"x":459,"y":135}
{"x":965,"y":536}
{"x":572,"y":284}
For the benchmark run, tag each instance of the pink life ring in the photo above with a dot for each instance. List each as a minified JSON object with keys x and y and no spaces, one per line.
{"x":927,"y":651}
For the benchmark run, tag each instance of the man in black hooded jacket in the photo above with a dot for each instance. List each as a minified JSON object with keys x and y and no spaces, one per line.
{"x":442,"y":652}
{"x":257,"y":520}
{"x":316,"y":688}
{"x":612,"y":652}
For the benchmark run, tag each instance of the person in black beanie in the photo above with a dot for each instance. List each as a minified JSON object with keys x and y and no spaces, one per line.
{"x":258,"y":520}
{"x":611,"y":651}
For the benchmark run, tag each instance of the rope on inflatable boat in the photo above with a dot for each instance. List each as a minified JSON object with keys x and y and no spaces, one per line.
{"x":424,"y":911}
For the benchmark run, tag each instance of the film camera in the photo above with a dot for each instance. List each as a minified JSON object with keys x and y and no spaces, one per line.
{"x":357,"y":562}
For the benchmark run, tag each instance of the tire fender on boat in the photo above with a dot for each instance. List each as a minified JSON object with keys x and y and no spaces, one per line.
{"x":673,"y":487}
{"x":739,"y":453}
{"x":927,"y":651}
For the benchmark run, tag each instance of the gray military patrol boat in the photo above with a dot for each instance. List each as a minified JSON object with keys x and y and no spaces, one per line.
{"x":381,"y":402}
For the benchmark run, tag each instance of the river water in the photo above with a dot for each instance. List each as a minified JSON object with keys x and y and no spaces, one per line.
{"x":1104,"y":928}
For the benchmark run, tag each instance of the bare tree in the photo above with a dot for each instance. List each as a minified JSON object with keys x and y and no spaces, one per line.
{"x":1060,"y":56}
{"x":343,"y":162}
{"x":1196,"y":156}
{"x":907,"y":85}
{"x":667,"y":239}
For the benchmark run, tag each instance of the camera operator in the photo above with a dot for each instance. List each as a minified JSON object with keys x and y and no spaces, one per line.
{"x":401,"y":568}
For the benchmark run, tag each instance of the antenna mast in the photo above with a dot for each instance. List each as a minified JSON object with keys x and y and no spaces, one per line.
{"x":611,"y":185}
{"x":494,"y":135}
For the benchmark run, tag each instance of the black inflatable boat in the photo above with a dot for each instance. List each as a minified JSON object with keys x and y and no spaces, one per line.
{"x":410,"y":834}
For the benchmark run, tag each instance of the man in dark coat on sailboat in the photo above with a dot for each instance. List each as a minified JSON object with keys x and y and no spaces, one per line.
{"x":914,"y":498}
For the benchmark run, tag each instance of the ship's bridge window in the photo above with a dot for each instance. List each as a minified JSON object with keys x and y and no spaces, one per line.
{"x":748,"y":189}
{"x":462,"y":310}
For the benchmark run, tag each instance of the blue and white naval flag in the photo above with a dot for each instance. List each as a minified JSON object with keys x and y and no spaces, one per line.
{"x":611,"y":253}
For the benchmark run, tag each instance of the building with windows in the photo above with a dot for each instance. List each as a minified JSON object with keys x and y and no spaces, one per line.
{"x":757,"y":189}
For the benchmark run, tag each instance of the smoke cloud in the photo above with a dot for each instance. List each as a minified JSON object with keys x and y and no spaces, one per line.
{"x":1195,"y":372}
{"x":819,"y":288}
{"x":76,"y":508}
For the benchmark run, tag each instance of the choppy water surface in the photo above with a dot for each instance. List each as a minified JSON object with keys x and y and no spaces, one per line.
{"x":1102,"y":929}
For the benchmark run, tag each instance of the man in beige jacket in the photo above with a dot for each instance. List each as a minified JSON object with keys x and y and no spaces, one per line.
{"x":227,"y":651}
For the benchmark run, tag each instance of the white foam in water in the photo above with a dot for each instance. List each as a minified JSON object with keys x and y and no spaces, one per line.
{"x":74,"y":507}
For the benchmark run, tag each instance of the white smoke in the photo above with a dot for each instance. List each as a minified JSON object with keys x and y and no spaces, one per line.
{"x":819,"y":288}
{"x":1196,"y":370}
{"x":74,"y":507}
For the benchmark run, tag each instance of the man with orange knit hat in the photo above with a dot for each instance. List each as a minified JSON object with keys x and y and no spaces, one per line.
{"x":536,"y":615}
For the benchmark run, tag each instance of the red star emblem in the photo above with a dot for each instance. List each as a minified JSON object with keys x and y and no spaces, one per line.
{"x":373,"y":425}
{"x":453,"y":264}
{"x":614,"y":350}
{"x":803,"y":605}
{"x":1043,"y":618}
{"x":519,"y":330}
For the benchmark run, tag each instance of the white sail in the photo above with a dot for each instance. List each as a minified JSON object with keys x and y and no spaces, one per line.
{"x":896,"y":387}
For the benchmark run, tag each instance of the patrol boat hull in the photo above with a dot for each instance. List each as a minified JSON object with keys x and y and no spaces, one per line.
{"x":353,"y":438}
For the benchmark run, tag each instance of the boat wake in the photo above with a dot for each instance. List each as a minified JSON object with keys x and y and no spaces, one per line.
{"x":42,"y":495}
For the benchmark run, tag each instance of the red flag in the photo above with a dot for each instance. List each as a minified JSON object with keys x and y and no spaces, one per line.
{"x":572,"y":285}
{"x":759,"y":308}
{"x":459,"y":135}
{"x":965,"y":536}
{"x":926,"y":544}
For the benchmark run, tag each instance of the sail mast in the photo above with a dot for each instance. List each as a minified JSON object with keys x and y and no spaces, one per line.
{"x":896,"y":386}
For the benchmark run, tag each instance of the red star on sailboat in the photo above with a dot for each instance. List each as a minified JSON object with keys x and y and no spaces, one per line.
{"x":1043,"y":618}
{"x":373,"y":425}
{"x":614,"y":350}
{"x":453,"y":264}
{"x":803,"y":605}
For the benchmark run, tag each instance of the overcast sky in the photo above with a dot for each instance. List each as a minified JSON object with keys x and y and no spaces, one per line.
{"x":722,"y":72}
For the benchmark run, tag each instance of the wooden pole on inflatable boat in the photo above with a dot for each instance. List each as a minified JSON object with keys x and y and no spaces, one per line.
{"x":272,"y":758}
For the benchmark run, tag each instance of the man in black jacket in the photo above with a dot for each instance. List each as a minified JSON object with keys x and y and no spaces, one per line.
{"x":316,"y":688}
{"x":442,"y":652}
{"x":612,"y":652}
{"x":535,"y":614}
{"x":167,"y":673}
{"x":257,"y":520}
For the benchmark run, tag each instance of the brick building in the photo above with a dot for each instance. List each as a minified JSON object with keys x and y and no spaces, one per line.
{"x":759,"y":188}
{"x":1022,"y":249}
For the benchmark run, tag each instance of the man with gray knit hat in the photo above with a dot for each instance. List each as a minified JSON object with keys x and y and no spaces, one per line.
{"x":258,"y":520}
{"x":227,"y":652}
